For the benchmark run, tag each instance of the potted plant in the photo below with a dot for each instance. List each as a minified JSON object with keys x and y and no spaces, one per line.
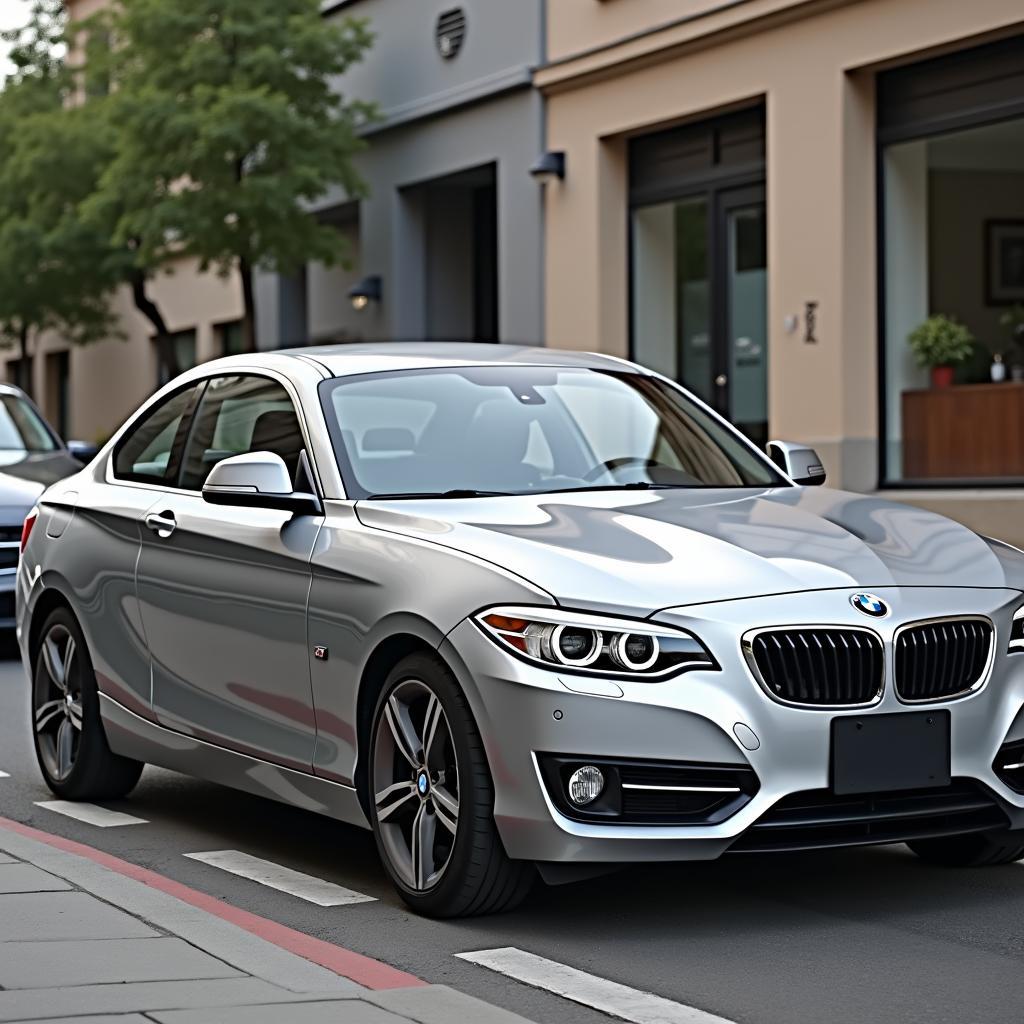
{"x":940,"y":343}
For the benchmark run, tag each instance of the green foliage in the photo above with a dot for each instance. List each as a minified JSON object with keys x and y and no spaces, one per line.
{"x":36,"y":49}
{"x":228,"y":128}
{"x":941,"y":341}
{"x":55,"y":270}
{"x":198,"y":128}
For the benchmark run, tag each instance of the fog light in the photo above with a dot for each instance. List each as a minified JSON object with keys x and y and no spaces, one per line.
{"x":585,"y":785}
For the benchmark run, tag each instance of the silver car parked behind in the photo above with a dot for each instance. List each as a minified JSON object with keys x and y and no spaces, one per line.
{"x":518,"y":609}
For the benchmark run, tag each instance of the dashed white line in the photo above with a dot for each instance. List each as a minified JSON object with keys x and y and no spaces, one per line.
{"x":4,"y":775}
{"x":609,"y":997}
{"x":91,"y":814}
{"x":274,"y":876}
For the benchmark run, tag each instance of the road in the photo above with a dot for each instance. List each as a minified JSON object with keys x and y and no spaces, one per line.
{"x":850,"y":937}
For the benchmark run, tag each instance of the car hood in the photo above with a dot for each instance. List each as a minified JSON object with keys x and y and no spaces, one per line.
{"x":23,"y":477}
{"x":647,"y":550}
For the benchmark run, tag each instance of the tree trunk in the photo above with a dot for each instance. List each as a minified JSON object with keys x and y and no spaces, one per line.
{"x":249,"y":307}
{"x":166,"y":354}
{"x":24,"y":380}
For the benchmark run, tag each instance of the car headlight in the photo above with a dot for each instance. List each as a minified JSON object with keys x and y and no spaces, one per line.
{"x":594,"y":644}
{"x":1016,"y":632}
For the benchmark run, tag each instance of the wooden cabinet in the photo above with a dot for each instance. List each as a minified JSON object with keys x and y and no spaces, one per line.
{"x":966,"y":431}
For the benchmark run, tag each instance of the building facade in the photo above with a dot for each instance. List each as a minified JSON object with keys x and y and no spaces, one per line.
{"x":762,"y":198}
{"x":451,"y":234}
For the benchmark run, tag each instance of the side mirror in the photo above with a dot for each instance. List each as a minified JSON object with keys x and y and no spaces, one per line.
{"x":799,"y":463}
{"x":257,"y":480}
{"x":83,"y":451}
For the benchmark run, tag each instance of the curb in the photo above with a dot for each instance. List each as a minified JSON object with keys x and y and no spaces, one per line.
{"x":344,"y":963}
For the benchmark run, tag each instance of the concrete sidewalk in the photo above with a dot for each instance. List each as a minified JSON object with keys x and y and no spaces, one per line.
{"x":82,"y":943}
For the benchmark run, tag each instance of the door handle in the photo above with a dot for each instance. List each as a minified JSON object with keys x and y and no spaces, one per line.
{"x":721,"y":380}
{"x":163,"y":525}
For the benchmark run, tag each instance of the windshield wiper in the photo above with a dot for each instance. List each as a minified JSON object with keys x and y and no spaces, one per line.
{"x":635,"y":485}
{"x":431,"y":495}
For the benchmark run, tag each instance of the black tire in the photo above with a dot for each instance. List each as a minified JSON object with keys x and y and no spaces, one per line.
{"x":95,"y":772}
{"x":975,"y":850}
{"x":478,"y":877}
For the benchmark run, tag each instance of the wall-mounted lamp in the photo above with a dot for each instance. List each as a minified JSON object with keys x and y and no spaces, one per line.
{"x":549,"y":166}
{"x":366,"y":291}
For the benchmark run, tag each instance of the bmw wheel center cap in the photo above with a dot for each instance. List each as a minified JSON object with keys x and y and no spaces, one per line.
{"x":422,"y":783}
{"x":870,"y":605}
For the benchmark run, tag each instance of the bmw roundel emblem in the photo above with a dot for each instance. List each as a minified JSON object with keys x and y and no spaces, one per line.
{"x":423,"y":783}
{"x":870,"y":605}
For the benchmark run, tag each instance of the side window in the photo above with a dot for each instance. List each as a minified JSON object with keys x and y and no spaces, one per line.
{"x":146,"y":452}
{"x":239,"y":415}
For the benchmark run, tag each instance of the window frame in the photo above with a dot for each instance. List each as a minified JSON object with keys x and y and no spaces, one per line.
{"x":200,"y":384}
{"x":194,"y":417}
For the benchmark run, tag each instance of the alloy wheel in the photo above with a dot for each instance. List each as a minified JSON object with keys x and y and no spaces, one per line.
{"x":57,"y":703}
{"x":416,"y":784}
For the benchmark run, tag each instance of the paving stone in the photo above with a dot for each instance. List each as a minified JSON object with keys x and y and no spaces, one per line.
{"x":439,"y":1004}
{"x":105,"y":961}
{"x":45,"y":1003}
{"x":40,"y":916}
{"x":347,"y":1011}
{"x":26,"y":878}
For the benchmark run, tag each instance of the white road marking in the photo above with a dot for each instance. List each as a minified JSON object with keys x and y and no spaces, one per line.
{"x":91,"y":814}
{"x":274,"y":876}
{"x":609,"y":997}
{"x":4,"y":775}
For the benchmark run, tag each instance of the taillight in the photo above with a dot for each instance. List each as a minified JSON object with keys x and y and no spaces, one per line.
{"x":26,"y":527}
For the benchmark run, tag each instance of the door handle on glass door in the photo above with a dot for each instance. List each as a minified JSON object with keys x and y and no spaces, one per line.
{"x":162,"y":525}
{"x":721,"y":380}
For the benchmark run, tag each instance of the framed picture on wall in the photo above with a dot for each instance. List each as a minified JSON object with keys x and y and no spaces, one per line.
{"x":1004,"y":262}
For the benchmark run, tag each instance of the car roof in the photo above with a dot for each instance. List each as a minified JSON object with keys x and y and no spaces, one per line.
{"x":347,"y":359}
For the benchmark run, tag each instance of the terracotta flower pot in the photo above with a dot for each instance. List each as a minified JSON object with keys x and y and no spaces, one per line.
{"x":942,"y":376}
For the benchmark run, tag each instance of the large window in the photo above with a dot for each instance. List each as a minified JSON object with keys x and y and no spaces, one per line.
{"x":951,"y":133}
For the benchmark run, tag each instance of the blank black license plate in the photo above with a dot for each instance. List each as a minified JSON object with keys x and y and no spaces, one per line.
{"x":881,"y":753}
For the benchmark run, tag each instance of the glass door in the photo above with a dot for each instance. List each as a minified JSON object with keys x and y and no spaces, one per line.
{"x":700,"y":298}
{"x":742,"y":378}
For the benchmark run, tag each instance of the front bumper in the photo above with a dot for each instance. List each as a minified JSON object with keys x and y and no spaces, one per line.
{"x":694,"y":718}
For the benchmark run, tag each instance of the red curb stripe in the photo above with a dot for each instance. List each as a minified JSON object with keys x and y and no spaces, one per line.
{"x":361,"y":969}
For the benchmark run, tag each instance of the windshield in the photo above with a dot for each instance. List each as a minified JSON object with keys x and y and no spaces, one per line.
{"x":22,"y":428}
{"x":462,"y":431}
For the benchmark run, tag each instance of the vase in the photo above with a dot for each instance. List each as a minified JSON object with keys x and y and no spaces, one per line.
{"x":942,"y":376}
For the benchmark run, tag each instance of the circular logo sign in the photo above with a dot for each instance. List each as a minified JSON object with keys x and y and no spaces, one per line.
{"x":423,"y":783}
{"x":870,"y":605}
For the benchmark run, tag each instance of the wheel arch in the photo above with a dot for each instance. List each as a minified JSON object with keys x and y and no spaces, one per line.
{"x":48,"y":601}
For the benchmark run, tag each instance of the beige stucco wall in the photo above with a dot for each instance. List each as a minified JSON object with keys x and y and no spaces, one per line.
{"x":815,"y":74}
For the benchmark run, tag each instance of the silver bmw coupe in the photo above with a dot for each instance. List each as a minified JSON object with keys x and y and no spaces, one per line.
{"x":519,"y":611}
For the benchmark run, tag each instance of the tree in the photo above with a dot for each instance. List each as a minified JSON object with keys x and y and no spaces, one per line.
{"x":228,"y":128}
{"x":55,"y":270}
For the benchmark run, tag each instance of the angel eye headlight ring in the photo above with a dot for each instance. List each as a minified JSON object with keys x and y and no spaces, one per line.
{"x":635,"y":651}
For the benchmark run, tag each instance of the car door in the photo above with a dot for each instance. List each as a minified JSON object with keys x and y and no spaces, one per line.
{"x":100,"y":525}
{"x":223,"y":590}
